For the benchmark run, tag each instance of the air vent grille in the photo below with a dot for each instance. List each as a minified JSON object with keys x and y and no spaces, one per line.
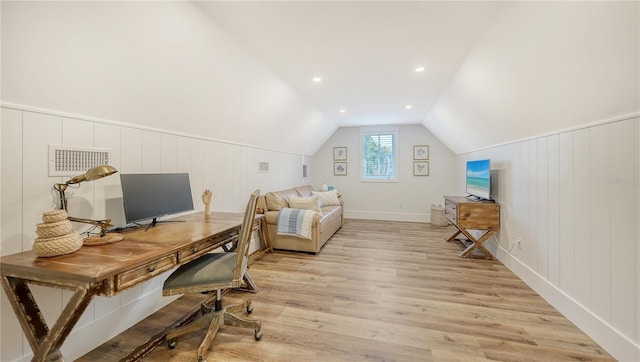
{"x":71,"y":161}
{"x":263,"y":166}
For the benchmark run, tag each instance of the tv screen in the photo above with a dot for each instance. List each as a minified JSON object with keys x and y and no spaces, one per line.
{"x":479,"y":179}
{"x":153,"y":195}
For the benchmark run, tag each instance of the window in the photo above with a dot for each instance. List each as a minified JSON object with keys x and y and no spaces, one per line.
{"x":379,"y":156}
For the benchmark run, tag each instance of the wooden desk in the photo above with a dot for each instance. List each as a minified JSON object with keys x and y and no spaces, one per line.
{"x":109,"y":269}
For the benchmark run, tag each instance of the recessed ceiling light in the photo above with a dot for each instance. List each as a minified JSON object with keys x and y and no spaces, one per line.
{"x":419,"y":69}
{"x":408,"y":106}
{"x":317,"y":79}
{"x":342,"y":110}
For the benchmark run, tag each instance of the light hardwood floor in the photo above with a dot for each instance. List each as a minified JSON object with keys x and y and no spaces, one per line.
{"x":381,"y":291}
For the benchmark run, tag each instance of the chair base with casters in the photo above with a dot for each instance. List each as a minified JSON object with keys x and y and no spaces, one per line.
{"x":211,"y":319}
{"x":215,"y":272}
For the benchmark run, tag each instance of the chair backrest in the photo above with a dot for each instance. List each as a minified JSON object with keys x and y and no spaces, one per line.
{"x":244,"y":239}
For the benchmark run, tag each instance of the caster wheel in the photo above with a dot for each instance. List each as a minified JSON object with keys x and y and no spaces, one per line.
{"x":172,"y":343}
{"x":249,"y":309}
{"x":258,"y":335}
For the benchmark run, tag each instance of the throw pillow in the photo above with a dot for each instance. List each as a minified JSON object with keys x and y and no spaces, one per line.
{"x":306,"y":203}
{"x":328,"y":198}
{"x":274,"y":202}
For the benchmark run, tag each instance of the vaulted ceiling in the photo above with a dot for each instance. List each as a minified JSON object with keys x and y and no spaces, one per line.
{"x":493,"y":72}
{"x":240,"y":71}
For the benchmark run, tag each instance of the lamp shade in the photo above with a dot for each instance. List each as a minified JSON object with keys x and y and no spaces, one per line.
{"x":94,"y":174}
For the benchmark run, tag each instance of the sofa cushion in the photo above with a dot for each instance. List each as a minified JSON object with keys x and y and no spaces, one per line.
{"x":305,"y":190}
{"x":328,"y":198}
{"x":330,"y":215}
{"x":306,"y":203}
{"x":277,"y":200}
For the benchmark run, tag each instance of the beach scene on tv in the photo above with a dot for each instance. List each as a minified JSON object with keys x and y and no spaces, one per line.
{"x":478,"y":178}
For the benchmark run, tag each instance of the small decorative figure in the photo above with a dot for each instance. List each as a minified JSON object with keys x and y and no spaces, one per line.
{"x":206,"y":198}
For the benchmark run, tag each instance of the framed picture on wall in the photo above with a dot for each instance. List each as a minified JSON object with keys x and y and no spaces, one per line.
{"x":421,"y":168}
{"x":339,"y":153}
{"x":421,"y":152}
{"x":340,"y":169}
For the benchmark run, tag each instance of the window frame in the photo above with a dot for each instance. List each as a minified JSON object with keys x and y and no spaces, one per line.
{"x":377,"y":131}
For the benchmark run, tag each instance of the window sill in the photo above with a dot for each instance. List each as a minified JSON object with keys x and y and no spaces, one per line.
{"x":379,"y":180}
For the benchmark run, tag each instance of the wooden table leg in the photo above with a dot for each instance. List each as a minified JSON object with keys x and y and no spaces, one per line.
{"x":251,"y":285}
{"x":45,"y":342}
{"x":477,"y":244}
{"x":453,"y":237}
{"x":264,"y":235}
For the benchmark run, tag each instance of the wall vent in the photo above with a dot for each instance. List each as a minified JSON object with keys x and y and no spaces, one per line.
{"x":263,"y":166}
{"x":74,"y":161}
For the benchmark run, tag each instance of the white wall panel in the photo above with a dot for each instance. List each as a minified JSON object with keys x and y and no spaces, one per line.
{"x":77,"y":132}
{"x":208,"y":166}
{"x":236,"y":172}
{"x":519,"y":215}
{"x":532,"y":205}
{"x":636,"y":182}
{"x":196,"y":173}
{"x":131,"y":150}
{"x":599,"y":228}
{"x":542,"y":208}
{"x":566,"y":221}
{"x":553,"y":208}
{"x":168,"y":153}
{"x":183,"y":145}
{"x":624,"y":305}
{"x":224,"y":180}
{"x":582,"y":221}
{"x":151,"y":152}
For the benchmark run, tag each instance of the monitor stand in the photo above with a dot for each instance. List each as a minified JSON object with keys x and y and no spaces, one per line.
{"x":155,"y":221}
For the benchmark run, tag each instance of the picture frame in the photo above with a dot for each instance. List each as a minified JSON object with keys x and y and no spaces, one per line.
{"x":340,"y":169}
{"x":339,"y":153}
{"x":421,"y":152}
{"x":421,"y":168}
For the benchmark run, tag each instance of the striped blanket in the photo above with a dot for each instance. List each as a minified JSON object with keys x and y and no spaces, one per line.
{"x":295,"y":222}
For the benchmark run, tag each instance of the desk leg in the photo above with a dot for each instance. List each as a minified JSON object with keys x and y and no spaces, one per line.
{"x":477,"y":244}
{"x":453,"y":237}
{"x":251,"y":286}
{"x":44,"y":342}
{"x":264,"y":235}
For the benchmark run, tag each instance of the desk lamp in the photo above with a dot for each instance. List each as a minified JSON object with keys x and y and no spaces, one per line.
{"x":92,"y":174}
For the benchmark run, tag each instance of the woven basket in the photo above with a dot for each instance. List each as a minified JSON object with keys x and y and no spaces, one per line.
{"x":437,"y":216}
{"x":53,"y":229}
{"x":54,"y":215}
{"x":47,"y":247}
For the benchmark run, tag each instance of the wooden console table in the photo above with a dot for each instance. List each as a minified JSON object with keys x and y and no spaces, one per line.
{"x":468,"y":215}
{"x":107,"y":270}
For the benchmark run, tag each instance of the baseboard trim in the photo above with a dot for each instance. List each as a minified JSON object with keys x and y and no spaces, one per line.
{"x":387,"y":216}
{"x":619,"y":346}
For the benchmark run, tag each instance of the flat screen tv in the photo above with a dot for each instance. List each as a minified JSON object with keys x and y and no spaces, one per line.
{"x":149,"y":196}
{"x":479,"y":179}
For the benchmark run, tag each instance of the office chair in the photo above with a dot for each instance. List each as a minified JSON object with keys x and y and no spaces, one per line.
{"x":214,"y":272}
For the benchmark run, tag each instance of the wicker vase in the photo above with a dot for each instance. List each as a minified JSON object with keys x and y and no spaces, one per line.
{"x":56,"y":235}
